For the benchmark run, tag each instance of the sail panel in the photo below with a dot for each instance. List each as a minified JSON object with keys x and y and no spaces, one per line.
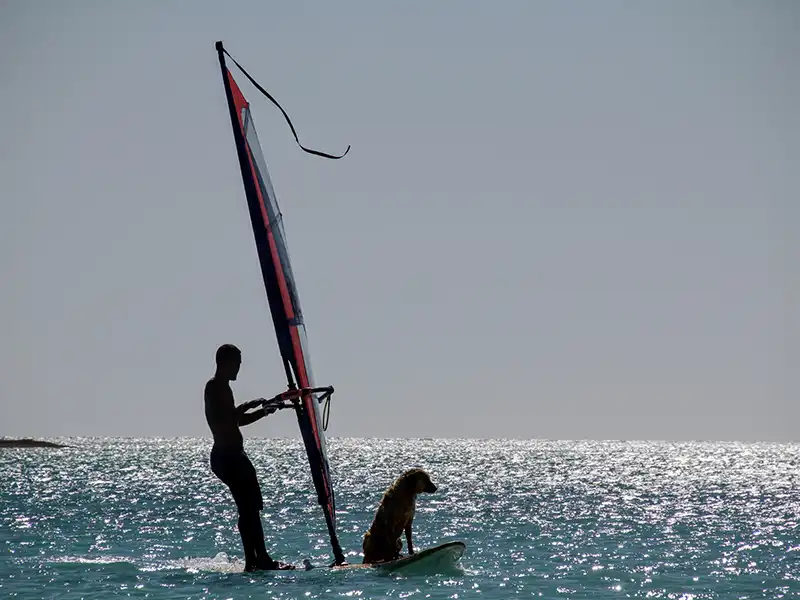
{"x":284,"y":303}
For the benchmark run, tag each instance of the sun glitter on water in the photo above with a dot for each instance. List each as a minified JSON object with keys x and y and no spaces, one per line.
{"x":120,"y":518}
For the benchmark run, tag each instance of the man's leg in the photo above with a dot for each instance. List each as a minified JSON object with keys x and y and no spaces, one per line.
{"x":247,"y":494}
{"x":250,"y":502}
{"x":252,"y":534}
{"x":229,"y":469}
{"x":246,"y":533}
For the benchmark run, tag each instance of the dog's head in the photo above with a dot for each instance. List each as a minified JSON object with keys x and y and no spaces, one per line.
{"x":419,"y":481}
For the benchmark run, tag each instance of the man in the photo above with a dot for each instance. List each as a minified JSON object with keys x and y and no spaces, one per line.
{"x":228,"y":459}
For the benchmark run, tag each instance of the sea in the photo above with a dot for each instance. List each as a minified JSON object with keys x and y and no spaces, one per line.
{"x":146,"y":518}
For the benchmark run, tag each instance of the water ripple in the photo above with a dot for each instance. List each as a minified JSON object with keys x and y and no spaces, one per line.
{"x":146,"y":518}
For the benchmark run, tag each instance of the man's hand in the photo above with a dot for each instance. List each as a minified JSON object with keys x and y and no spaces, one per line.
{"x":262,"y":410}
{"x":245,"y":406}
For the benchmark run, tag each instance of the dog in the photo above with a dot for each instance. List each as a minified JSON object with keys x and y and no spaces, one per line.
{"x":383,"y":540}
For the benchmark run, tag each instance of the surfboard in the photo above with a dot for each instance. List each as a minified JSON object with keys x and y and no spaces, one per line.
{"x":438,"y":559}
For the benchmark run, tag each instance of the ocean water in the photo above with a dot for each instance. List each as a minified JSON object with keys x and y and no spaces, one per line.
{"x":145,"y":518}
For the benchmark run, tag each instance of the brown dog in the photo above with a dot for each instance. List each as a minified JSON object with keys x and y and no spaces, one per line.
{"x":394,"y":516}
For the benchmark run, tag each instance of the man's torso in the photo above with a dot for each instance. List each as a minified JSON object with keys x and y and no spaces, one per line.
{"x":221,"y":415}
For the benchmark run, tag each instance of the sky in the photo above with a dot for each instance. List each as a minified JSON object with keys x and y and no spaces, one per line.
{"x":557,"y":220}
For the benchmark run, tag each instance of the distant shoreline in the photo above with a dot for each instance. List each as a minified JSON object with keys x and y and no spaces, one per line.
{"x":28,"y":443}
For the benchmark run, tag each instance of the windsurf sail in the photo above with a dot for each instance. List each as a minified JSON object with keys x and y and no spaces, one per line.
{"x":282,"y":296}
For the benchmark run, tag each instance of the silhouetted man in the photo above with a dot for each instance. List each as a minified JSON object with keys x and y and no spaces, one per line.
{"x":228,"y":459}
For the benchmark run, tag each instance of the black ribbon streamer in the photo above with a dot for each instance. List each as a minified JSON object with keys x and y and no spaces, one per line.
{"x":275,"y":102}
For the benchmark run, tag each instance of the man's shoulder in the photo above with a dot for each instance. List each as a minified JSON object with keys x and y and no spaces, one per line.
{"x":215,"y":387}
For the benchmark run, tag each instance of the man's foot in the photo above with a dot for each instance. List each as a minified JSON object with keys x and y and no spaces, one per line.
{"x":267,"y":564}
{"x":249,"y":567}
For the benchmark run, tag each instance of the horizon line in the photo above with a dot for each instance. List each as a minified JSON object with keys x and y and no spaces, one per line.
{"x":410,"y":438}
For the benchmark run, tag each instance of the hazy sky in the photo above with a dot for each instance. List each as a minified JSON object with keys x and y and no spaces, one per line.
{"x":557,"y":219}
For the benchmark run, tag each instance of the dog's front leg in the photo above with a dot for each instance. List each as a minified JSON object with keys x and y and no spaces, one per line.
{"x":408,"y":539}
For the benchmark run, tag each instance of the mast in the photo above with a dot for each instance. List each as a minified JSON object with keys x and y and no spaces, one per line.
{"x":281,"y":292}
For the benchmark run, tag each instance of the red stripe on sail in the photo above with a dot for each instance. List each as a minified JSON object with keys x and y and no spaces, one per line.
{"x":241,"y":103}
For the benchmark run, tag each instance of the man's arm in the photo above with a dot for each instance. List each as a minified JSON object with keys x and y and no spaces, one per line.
{"x":245,"y":418}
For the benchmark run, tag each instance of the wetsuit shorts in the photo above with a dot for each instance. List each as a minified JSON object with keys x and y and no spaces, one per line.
{"x":234,"y":469}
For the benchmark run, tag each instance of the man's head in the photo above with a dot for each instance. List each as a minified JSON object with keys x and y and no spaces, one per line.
{"x":229,"y":359}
